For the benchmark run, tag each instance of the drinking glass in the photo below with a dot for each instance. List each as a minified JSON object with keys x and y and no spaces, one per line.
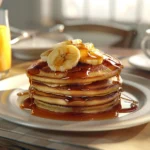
{"x":5,"y":47}
{"x":145,"y":45}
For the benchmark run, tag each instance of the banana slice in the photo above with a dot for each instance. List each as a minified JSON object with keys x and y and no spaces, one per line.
{"x":91,"y":55}
{"x":96,"y":52}
{"x":89,"y":46}
{"x":92,"y":60}
{"x":68,"y":42}
{"x":63,"y":58}
{"x":45,"y":54}
{"x":76,"y":41}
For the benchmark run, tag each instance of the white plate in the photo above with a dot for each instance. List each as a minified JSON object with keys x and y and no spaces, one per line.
{"x":140,"y":61}
{"x":136,"y":87}
{"x":30,"y":49}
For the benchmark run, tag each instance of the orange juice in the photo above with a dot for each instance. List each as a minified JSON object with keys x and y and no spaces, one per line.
{"x":5,"y":48}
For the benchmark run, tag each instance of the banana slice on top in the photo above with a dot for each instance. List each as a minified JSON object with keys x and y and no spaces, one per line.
{"x":91,"y":55}
{"x":89,"y":46}
{"x":63,"y":58}
{"x":68,"y":42}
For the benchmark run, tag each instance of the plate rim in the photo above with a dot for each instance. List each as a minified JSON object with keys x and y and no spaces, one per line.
{"x":134,"y":123}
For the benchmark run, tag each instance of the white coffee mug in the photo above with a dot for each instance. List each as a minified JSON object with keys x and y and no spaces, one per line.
{"x":145,"y":44}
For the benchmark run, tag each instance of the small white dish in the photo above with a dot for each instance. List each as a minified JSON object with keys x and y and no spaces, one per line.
{"x":140,"y":61}
{"x":31,"y":49}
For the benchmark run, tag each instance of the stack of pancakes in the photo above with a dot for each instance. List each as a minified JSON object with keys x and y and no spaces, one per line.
{"x":88,"y":86}
{"x":83,"y":89}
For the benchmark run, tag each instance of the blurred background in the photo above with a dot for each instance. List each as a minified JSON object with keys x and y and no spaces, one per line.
{"x":129,"y":14}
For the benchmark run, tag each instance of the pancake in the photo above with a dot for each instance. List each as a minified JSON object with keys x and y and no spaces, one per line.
{"x":70,"y":101}
{"x":82,"y":73}
{"x":87,"y":109}
{"x":75,"y":91}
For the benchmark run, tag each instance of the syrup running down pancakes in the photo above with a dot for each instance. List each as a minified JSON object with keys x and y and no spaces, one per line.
{"x":73,"y":78}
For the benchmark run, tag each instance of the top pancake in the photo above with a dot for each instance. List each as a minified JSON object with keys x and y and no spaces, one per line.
{"x":82,"y":73}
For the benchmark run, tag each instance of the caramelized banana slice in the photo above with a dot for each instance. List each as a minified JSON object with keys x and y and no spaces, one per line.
{"x":63,"y":58}
{"x":91,"y":55}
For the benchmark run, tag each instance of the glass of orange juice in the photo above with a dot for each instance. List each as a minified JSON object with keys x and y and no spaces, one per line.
{"x":5,"y":47}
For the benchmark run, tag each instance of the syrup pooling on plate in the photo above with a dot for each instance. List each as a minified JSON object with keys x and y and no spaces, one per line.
{"x":118,"y":111}
{"x":84,"y":85}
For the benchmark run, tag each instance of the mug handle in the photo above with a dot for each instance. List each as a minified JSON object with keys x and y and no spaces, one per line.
{"x":143,"y":45}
